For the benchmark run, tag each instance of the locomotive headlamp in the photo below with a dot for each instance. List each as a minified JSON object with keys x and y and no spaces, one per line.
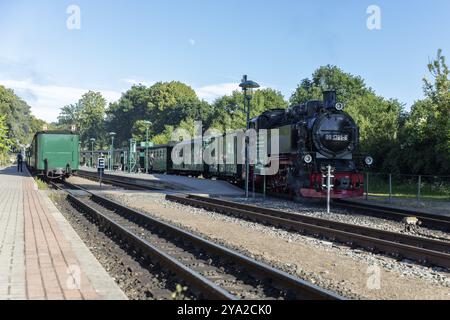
{"x":308,"y":158}
{"x":369,"y":161}
{"x":339,"y":106}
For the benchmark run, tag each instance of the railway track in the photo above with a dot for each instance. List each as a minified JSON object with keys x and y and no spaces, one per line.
{"x":419,"y":249}
{"x":427,"y":220}
{"x":210,"y":270}
{"x":423,"y":250}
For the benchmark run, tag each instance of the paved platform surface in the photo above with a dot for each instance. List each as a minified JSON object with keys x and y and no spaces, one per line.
{"x":41,"y":256}
{"x":186,"y":184}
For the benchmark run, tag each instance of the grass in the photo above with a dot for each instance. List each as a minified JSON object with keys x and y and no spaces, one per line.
{"x":41,"y":184}
{"x":408,"y":189}
{"x":411,"y":196}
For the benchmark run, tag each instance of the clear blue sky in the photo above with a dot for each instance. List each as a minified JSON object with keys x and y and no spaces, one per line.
{"x":209,"y":44}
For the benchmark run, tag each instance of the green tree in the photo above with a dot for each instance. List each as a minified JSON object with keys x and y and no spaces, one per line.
{"x":228,"y":111}
{"x":5,"y":142}
{"x":172,"y":102}
{"x":164,"y":104}
{"x":139,"y":131}
{"x":69,"y":116}
{"x":17,"y":117}
{"x":123,"y":114}
{"x":90,"y":118}
{"x":330,"y":77}
{"x":426,"y":133}
{"x":164,"y":137}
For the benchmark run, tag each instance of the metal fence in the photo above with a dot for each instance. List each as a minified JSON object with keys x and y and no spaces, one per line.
{"x":414,"y":187}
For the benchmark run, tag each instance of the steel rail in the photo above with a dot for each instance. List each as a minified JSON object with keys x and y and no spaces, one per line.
{"x":116,"y":182}
{"x":279,"y":279}
{"x":415,"y":248}
{"x":146,"y":249}
{"x":121,"y":181}
{"x":410,"y":247}
{"x":426,"y":219}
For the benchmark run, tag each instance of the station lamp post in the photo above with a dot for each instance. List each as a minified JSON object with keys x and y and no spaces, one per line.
{"x":247,"y":87}
{"x":147,"y":126}
{"x":111,"y":161}
{"x":92,"y":151}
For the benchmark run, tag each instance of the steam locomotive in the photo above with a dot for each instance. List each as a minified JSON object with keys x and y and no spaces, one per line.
{"x":311,"y":137}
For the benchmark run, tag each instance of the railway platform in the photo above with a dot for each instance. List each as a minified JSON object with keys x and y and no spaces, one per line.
{"x":181,"y":183}
{"x":41,"y":256}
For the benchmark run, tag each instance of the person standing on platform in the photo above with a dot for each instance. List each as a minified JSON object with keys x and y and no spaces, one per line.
{"x":19,"y":162}
{"x":151,"y":163}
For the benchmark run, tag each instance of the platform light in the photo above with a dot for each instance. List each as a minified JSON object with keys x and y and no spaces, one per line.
{"x":308,"y":158}
{"x":111,"y":152}
{"x":147,"y":127}
{"x":368,"y":161}
{"x":247,"y":87}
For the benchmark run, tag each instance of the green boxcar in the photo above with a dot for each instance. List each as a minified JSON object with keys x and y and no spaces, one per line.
{"x":54,"y":154}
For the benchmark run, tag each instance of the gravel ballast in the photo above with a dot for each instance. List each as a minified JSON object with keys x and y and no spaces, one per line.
{"x":135,"y":280}
{"x":342,"y":215}
{"x":338,"y":268}
{"x":353,"y":273}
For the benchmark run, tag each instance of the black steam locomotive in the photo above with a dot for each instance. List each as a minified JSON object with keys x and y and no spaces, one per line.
{"x":313,"y":136}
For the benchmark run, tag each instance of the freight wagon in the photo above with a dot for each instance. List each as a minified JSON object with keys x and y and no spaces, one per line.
{"x":54,"y":154}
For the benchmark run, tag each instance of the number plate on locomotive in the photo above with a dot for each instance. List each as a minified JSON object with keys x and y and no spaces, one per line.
{"x":336,"y":137}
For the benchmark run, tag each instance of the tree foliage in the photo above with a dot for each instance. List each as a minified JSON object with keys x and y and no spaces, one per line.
{"x":164,"y":104}
{"x":5,"y":141}
{"x":228,"y":111}
{"x":88,"y":116}
{"x":91,"y":117}
{"x":426,"y":132}
{"x":20,"y":124}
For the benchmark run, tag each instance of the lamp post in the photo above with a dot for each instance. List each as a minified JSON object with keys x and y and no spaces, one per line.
{"x":111,"y":161}
{"x":147,"y":125}
{"x":92,"y":151}
{"x":247,"y":88}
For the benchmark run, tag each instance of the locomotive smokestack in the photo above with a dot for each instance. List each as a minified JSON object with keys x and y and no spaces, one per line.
{"x":329,"y":99}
